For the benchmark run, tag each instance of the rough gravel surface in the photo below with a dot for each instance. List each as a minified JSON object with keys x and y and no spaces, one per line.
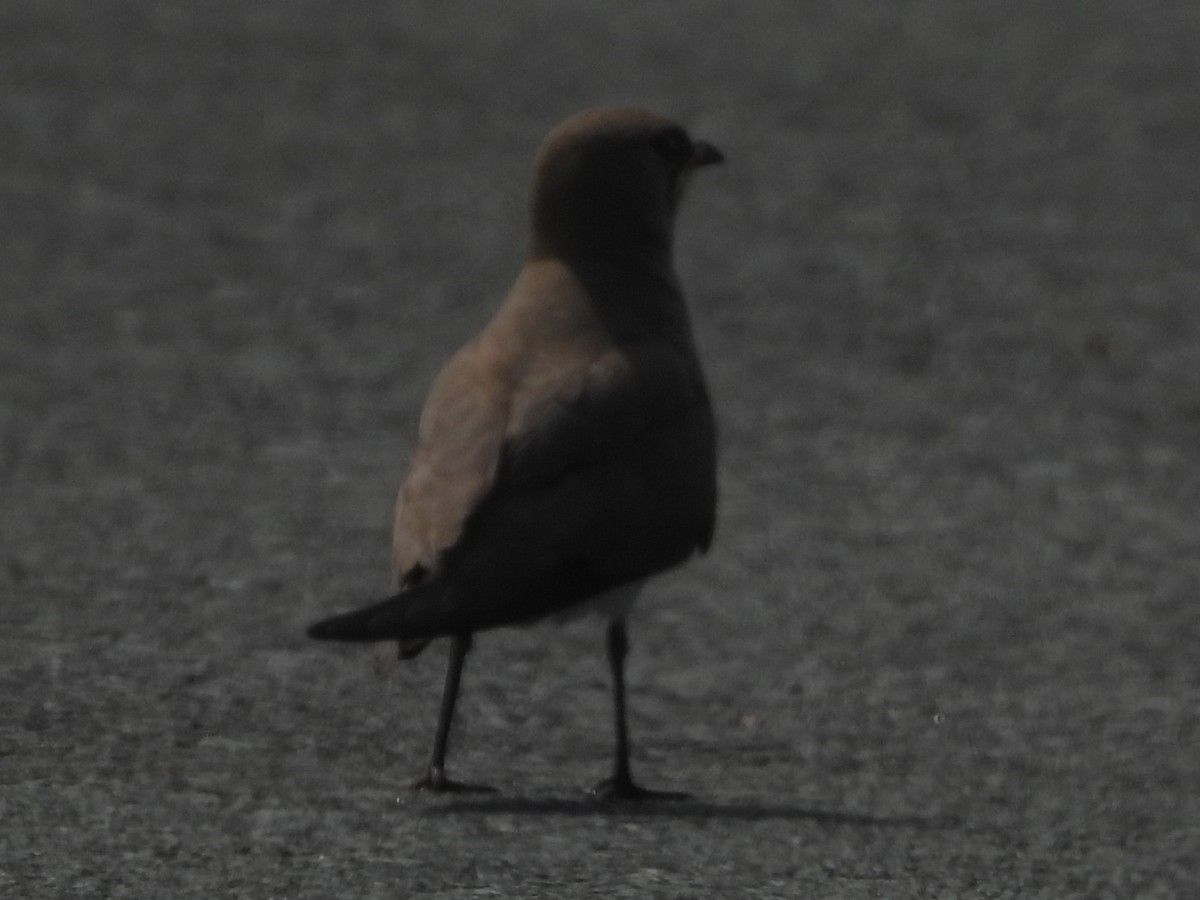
{"x":946,"y":289}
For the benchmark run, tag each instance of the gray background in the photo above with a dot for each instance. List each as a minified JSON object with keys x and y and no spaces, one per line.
{"x":945,"y":288}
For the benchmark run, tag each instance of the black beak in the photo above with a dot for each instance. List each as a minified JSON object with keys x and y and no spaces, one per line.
{"x":704,"y":154}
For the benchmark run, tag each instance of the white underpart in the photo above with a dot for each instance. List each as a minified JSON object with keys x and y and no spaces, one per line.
{"x":613,"y":604}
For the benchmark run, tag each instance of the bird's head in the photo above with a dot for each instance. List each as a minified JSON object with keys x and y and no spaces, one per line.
{"x":608,"y":182}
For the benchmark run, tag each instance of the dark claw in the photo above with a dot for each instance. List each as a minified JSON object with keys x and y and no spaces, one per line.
{"x":622,"y":789}
{"x":436,"y":782}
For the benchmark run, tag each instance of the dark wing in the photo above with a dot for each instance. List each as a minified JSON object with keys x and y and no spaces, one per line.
{"x":604,"y":481}
{"x":609,"y":485}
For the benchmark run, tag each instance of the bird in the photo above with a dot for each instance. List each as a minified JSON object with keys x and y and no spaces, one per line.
{"x":567,"y":452}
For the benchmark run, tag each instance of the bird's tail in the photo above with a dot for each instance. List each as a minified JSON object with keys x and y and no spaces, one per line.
{"x":386,"y":620}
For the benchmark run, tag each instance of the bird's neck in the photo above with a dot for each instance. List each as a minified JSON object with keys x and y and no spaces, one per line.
{"x":589,"y":222}
{"x":635,"y":297}
{"x":628,"y":247}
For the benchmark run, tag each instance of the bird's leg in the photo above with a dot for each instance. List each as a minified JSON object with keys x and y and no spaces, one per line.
{"x":435,"y":779}
{"x":621,"y":785}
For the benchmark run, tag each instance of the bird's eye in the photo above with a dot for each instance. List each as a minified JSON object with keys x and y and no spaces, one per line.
{"x":674,"y":147}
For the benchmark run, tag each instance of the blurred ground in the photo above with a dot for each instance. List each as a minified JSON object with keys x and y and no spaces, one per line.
{"x":946,"y":289}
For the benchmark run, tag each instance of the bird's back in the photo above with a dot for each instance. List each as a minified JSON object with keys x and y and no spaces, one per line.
{"x":568,"y":449}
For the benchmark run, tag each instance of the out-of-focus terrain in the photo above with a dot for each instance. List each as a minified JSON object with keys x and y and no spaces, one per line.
{"x":946,"y":291}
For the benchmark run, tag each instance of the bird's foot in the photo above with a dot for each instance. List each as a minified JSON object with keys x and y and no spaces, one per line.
{"x":436,"y":782}
{"x":621,"y":788}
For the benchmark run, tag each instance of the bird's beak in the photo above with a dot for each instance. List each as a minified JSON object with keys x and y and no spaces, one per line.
{"x":704,"y":154}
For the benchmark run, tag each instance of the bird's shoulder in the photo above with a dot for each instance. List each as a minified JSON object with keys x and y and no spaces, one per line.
{"x":545,"y":390}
